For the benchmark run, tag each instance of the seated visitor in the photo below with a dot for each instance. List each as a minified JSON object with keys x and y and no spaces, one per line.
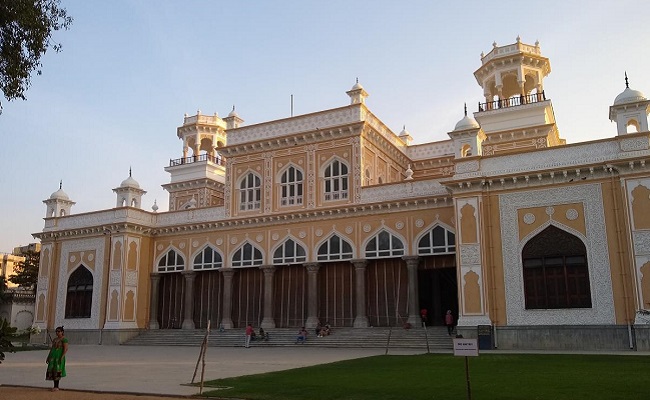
{"x":302,"y":336}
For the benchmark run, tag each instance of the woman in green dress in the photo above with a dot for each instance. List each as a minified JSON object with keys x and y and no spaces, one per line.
{"x":56,"y":358}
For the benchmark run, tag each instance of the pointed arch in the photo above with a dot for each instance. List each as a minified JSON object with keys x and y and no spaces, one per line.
{"x":555,"y":269}
{"x":335,"y":179}
{"x":250,"y":191}
{"x":207,"y":258}
{"x":290,"y":251}
{"x":247,"y":255}
{"x":384,"y":243}
{"x":440,"y":238}
{"x":79,"y":294}
{"x":171,"y":261}
{"x":291,"y":180}
{"x":334,"y":247}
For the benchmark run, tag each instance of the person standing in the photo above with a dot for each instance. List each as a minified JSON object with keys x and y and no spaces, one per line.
{"x":56,"y":358}
{"x":449,"y":321}
{"x":249,"y":334}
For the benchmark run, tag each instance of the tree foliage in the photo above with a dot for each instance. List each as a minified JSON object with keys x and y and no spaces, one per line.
{"x":26,"y":272}
{"x":6,"y":333}
{"x":26,"y":28}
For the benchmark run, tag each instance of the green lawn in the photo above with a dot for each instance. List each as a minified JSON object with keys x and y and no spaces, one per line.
{"x":442,"y":376}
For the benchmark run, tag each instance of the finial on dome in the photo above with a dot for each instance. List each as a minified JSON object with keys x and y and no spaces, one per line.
{"x":129,"y":172}
{"x":61,"y":184}
{"x":357,"y":79}
{"x":518,"y":39}
{"x":233,"y":108}
{"x":155,"y":206}
{"x":627,"y":83}
{"x":465,"y":109}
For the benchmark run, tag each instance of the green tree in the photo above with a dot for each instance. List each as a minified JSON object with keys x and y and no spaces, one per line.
{"x":26,"y":28}
{"x":26,"y":272}
{"x":6,"y":333}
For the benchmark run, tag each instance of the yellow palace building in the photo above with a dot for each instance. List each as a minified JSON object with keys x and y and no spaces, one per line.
{"x":331,"y":217}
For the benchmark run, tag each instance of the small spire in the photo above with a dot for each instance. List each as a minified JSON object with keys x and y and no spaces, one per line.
{"x":129,"y":172}
{"x":627,"y":84}
{"x":404,"y":127}
{"x":61,"y":184}
{"x":465,"y":109}
{"x":357,"y":79}
{"x":233,"y":107}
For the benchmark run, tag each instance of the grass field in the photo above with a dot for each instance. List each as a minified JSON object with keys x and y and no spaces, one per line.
{"x":442,"y":376}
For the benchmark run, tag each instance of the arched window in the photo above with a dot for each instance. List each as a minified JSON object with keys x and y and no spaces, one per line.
{"x":437,"y":241}
{"x":556,"y":274}
{"x":334,"y":248}
{"x":247,"y":255}
{"x":79,"y":298}
{"x":336,"y":181}
{"x":171,"y":262}
{"x":384,"y":244}
{"x":290,"y":252}
{"x":291,"y":187}
{"x":250,"y":193}
{"x":208,"y":258}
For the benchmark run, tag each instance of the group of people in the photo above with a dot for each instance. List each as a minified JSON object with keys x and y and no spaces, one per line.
{"x":251,"y":335}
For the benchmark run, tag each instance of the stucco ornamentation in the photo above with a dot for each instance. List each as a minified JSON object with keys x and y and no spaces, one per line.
{"x":641,"y":241}
{"x":470,"y":254}
{"x":632,"y":144}
{"x":96,"y":244}
{"x":115,"y":278}
{"x":399,"y":225}
{"x":529,"y":218}
{"x":467,"y":166}
{"x":602,"y":310}
{"x":131,"y":278}
{"x":571,"y":214}
{"x":419,"y":223}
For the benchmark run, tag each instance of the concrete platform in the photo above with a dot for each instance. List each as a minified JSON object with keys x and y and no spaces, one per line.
{"x":164,"y":370}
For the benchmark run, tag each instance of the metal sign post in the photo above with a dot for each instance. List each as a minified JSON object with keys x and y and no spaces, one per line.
{"x":466,"y":348}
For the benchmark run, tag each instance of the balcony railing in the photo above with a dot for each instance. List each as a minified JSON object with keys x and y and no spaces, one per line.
{"x":19,"y":297}
{"x":200,"y":158}
{"x":512,"y":101}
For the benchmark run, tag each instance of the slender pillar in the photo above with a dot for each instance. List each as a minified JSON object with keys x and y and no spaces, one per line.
{"x":412,"y":267}
{"x":312,"y":294}
{"x":227,"y":273}
{"x":268,"y":322}
{"x":188,"y":319}
{"x":361,"y":318}
{"x":153,"y":308}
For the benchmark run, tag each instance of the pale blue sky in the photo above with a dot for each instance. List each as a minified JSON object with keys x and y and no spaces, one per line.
{"x":129,"y":70}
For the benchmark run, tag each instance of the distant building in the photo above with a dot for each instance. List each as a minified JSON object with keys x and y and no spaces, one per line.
{"x":35,"y":247}
{"x":333,"y":217}
{"x":18,"y":306}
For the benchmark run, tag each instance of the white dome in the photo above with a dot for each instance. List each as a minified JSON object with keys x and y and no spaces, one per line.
{"x":59,"y":195}
{"x":357,"y":86}
{"x":130,"y":183}
{"x":467,"y":123}
{"x":233,"y":113}
{"x":629,"y":96}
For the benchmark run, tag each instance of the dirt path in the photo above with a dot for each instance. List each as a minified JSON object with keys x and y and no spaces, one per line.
{"x":27,"y":393}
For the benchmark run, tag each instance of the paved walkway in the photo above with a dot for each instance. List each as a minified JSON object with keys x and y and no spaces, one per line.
{"x":163,"y":370}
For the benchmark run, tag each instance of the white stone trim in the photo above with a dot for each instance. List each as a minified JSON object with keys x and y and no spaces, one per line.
{"x":590,"y":195}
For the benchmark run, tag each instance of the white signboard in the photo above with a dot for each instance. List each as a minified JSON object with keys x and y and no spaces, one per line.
{"x":466,"y":347}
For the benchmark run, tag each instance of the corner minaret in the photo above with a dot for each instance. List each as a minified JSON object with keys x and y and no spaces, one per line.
{"x":630,"y":111}
{"x":129,"y":193}
{"x":59,"y":204}
{"x":516,"y":113}
{"x":468,"y":137}
{"x":357,"y":94}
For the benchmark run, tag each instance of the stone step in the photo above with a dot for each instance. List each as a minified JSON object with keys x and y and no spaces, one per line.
{"x":415,"y":338}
